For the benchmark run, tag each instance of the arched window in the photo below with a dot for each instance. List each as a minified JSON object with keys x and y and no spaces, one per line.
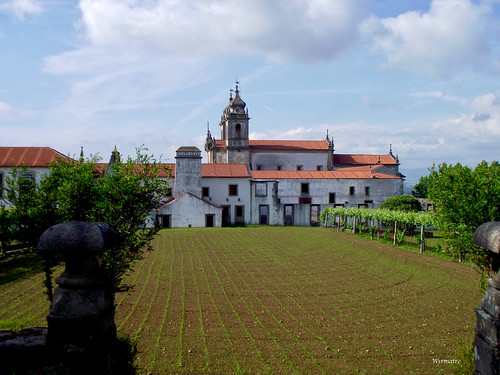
{"x":238,"y":130}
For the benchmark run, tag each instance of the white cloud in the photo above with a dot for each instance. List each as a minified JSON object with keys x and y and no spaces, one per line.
{"x":279,"y":30}
{"x":103,"y":79}
{"x":5,"y":108}
{"x":453,"y":34}
{"x":482,"y":123}
{"x":437,"y":95}
{"x":22,"y":7}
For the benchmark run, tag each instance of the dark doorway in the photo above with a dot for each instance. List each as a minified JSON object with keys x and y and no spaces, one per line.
{"x":264,"y":214}
{"x":166,"y":221}
{"x":288,"y":214}
{"x":209,"y":220}
{"x":226,"y":216}
{"x":239,"y":214}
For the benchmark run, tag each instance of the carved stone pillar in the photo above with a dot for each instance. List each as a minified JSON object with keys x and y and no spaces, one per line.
{"x":487,"y":341}
{"x":81,"y":318}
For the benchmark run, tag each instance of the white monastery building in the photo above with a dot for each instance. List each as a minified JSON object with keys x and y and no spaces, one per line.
{"x":247,"y":181}
{"x":271,"y":182}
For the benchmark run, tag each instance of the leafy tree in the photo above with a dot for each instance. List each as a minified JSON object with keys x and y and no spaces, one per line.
{"x":421,"y":189}
{"x":124,"y":196}
{"x":5,"y":228}
{"x":464,"y":199}
{"x":405,"y":203}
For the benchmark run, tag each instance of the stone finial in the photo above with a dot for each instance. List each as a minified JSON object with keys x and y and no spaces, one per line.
{"x":487,"y":235}
{"x":77,"y":236}
{"x":82,"y":312}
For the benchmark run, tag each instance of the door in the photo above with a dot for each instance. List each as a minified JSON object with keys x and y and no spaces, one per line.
{"x":288,"y":214}
{"x":239,"y":214}
{"x":226,"y":218}
{"x":264,"y":214}
{"x":209,"y":220}
{"x":314,"y":220}
{"x":165,"y":221}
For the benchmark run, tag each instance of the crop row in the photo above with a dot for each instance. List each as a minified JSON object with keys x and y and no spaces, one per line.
{"x":293,"y":300}
{"x":281,"y":300}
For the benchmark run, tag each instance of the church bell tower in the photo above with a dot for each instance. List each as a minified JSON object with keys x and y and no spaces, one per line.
{"x":234,"y":129}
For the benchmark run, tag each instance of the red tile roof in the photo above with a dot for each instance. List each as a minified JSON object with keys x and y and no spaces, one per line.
{"x":281,"y":145}
{"x":345,"y":173}
{"x":224,"y":170}
{"x":289,"y":145}
{"x":207,"y":170}
{"x":363,"y":159}
{"x":28,"y":156}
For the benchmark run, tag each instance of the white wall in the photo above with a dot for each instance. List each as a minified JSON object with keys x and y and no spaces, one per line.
{"x":38,"y":172}
{"x":219,"y":194}
{"x":269,"y":160}
{"x":189,"y":211}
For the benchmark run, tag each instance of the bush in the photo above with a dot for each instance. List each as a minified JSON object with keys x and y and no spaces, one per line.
{"x":405,"y":203}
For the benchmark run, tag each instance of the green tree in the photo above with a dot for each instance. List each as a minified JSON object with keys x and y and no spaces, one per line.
{"x":124,"y":196}
{"x":421,"y":189}
{"x":464,"y":199}
{"x":5,"y":228}
{"x":405,"y":203}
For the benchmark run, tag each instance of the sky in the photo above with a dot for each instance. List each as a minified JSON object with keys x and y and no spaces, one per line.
{"x":422,"y":76}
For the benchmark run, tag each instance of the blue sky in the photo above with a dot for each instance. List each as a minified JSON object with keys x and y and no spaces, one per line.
{"x":420,"y":75}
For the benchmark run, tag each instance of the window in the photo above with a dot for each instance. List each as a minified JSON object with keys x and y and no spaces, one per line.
{"x":351,"y":190}
{"x":261,"y":189}
{"x":304,"y":188}
{"x":300,"y":167}
{"x":30,"y":176}
{"x":367,"y":190}
{"x":305,"y":200}
{"x":331,"y":197}
{"x":205,"y":191}
{"x":28,"y":183}
{"x":169,"y":192}
{"x":259,"y":167}
{"x":233,"y":190}
{"x":279,"y":168}
{"x":319,"y":167}
{"x":237,"y":130}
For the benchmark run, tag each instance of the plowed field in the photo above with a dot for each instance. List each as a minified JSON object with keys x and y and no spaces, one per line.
{"x":289,"y":300}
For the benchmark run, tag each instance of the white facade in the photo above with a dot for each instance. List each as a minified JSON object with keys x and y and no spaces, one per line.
{"x":189,"y":211}
{"x":289,"y":160}
{"x":232,"y":194}
{"x":33,"y":173}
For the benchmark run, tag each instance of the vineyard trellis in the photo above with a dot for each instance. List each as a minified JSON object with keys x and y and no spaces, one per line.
{"x":351,"y":217}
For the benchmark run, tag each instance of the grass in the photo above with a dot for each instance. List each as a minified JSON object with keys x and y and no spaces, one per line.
{"x":18,"y":266}
{"x":284,"y":300}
